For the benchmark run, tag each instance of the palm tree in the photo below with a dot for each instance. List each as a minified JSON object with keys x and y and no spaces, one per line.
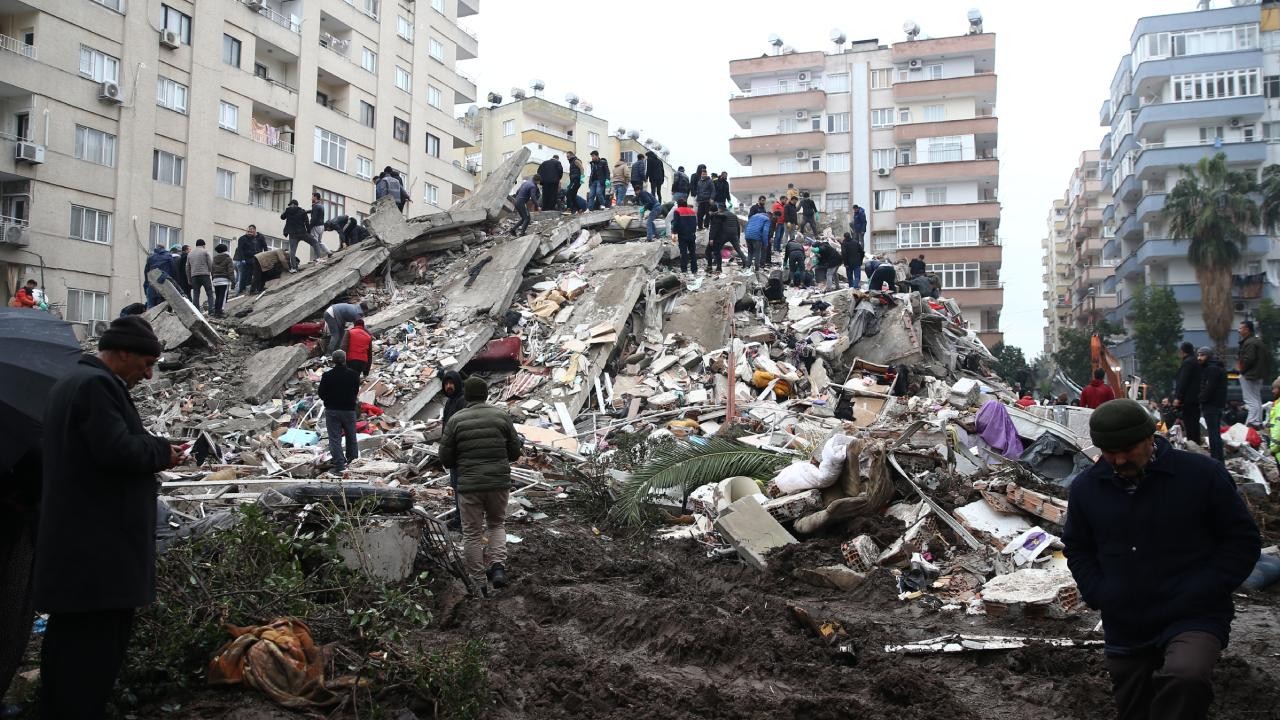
{"x":1270,"y":196}
{"x":1212,"y":207}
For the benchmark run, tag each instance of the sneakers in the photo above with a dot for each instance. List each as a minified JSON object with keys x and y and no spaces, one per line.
{"x":497,"y":575}
{"x":293,"y":270}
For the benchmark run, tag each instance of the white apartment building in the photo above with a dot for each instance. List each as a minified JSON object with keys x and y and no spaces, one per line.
{"x":1058,"y":276}
{"x":907,"y":131}
{"x":127,"y":124}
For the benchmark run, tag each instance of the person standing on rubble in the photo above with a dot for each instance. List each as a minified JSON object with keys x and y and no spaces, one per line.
{"x":481,"y":442}
{"x":315,"y":226}
{"x":648,"y":205}
{"x":181,"y":278}
{"x":639,"y":172}
{"x":248,"y":245}
{"x":550,"y":173}
{"x":95,"y":546}
{"x":655,"y":173}
{"x":1097,"y":391}
{"x":295,"y":228}
{"x":455,"y":400}
{"x":339,"y":388}
{"x":828,"y":263}
{"x":161,"y":260}
{"x":916,"y":266}
{"x":390,"y":183}
{"x":1254,"y":365}
{"x":336,"y":318}
{"x":853,"y":253}
{"x":1157,"y":539}
{"x":679,"y":185}
{"x":715,"y":242}
{"x":722,"y":195}
{"x":525,"y":194}
{"x":859,"y":224}
{"x":359,"y":348}
{"x":1186,"y":392}
{"x":599,"y":173}
{"x":224,"y":273}
{"x":704,"y":190}
{"x":682,"y":223}
{"x":791,"y":216}
{"x":575,"y":182}
{"x":621,"y":178}
{"x":757,"y":235}
{"x":1213,"y":398}
{"x":200,"y":275}
{"x":808,"y":214}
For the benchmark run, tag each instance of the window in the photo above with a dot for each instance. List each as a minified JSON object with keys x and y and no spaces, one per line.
{"x":1271,"y":86}
{"x":366,"y":114}
{"x":364,"y":167}
{"x":85,"y":306}
{"x":165,"y":236}
{"x":838,"y":83}
{"x":369,"y":60}
{"x":333,"y":203}
{"x":170,"y":94}
{"x":881,"y":79}
{"x":508,"y":128}
{"x":404,"y":28}
{"x":881,"y":117}
{"x":815,"y":162}
{"x":945,"y":149}
{"x":230,"y":50}
{"x":433,"y":194}
{"x":116,"y":5}
{"x":180,"y":23}
{"x":433,"y":145}
{"x":884,"y":199}
{"x":1271,"y":131}
{"x":22,"y":131}
{"x":786,"y":125}
{"x":838,"y":162}
{"x":98,"y":66}
{"x":400,"y":129}
{"x":815,"y":122}
{"x":904,"y":155}
{"x":904,"y":115}
{"x":1195,"y":42}
{"x":91,"y":225}
{"x":1210,"y":135}
{"x":593,"y":139}
{"x":933,"y":72}
{"x":837,"y":201}
{"x":433,"y":96}
{"x":785,"y":165}
{"x":403,"y":80}
{"x":937,"y":233}
{"x":436,"y":49}
{"x":883,"y":158}
{"x":437,"y":5}
{"x":95,"y":146}
{"x":837,"y":122}
{"x":935,"y":113}
{"x":956,"y":276}
{"x":167,"y":167}
{"x":1246,"y":133}
{"x":1212,"y":85}
{"x":935,"y":195}
{"x":226,"y":184}
{"x":228,"y":116}
{"x":331,"y":150}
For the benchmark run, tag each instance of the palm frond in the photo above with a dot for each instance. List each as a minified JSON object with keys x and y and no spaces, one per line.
{"x":688,"y":466}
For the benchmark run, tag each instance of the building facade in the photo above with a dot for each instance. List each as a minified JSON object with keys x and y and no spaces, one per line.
{"x":1059,"y":275}
{"x":908,"y":132}
{"x":128,"y":125}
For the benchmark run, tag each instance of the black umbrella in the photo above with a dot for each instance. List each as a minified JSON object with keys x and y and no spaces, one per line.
{"x":36,"y":350}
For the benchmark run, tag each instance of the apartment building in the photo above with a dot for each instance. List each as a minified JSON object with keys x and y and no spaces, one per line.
{"x":906,"y":131}
{"x":126,"y":125}
{"x":1059,"y":275}
{"x":1194,"y":84}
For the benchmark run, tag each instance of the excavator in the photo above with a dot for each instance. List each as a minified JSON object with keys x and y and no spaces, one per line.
{"x":1101,"y":357}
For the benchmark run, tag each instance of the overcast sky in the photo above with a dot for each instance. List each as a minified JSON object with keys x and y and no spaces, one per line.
{"x":665,"y":70}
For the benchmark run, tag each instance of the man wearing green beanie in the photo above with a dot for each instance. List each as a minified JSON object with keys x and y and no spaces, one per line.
{"x":1157,"y":539}
{"x":480,"y":441}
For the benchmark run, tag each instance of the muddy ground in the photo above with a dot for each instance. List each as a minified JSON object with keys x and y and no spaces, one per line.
{"x":593,"y":627}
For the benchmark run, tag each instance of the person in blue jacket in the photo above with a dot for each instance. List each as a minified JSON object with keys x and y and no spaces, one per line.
{"x":757,"y":234}
{"x":160,"y":259}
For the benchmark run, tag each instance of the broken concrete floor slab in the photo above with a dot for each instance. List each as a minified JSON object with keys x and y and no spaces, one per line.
{"x":384,"y":547}
{"x":492,"y":195}
{"x":752,"y":531}
{"x":188,"y":314}
{"x":300,"y":295}
{"x":268,"y":371}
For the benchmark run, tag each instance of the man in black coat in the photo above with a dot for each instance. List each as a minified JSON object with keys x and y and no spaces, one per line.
{"x":1157,"y":539}
{"x":95,"y":549}
{"x":1186,"y":392}
{"x":249,"y":244}
{"x":549,"y":174}
{"x":1213,"y":398}
{"x":575,"y":182}
{"x":656,"y":173}
{"x":455,"y":400}
{"x":599,"y":173}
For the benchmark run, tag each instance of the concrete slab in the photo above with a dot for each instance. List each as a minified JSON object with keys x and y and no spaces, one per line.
{"x":268,"y":370}
{"x":752,"y":531}
{"x":493,"y":195}
{"x":703,"y":316}
{"x":385,"y":548}
{"x":189,"y":315}
{"x":311,"y":289}
{"x":167,"y":326}
{"x":568,"y":229}
{"x":407,"y":309}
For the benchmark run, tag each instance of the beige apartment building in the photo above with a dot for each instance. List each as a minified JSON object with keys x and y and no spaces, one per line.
{"x":1059,"y":274}
{"x":129,"y":124}
{"x":906,"y":131}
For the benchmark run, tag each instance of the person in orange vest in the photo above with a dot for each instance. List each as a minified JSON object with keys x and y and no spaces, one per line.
{"x":359,"y":348}
{"x":26,"y":296}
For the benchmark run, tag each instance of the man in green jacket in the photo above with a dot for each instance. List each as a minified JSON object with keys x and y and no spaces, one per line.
{"x":1255,"y":371}
{"x":481,"y":442}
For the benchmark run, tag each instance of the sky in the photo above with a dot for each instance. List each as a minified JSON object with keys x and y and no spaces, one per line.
{"x":666,"y":72}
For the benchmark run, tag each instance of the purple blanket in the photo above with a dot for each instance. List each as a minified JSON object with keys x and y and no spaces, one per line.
{"x":997,"y":429}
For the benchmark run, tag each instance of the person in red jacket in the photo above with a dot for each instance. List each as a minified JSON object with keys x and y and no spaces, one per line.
{"x":359,"y":348}
{"x":1026,"y":400}
{"x":1097,"y":391}
{"x":26,"y":296}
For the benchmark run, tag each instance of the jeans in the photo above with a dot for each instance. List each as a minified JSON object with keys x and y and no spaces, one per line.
{"x":484,"y":530}
{"x":337,"y":332}
{"x":219,"y":298}
{"x":777,"y":236}
{"x":756,"y":252}
{"x":1252,"y":391}
{"x":656,"y":187}
{"x":523,"y":223}
{"x":650,"y":229}
{"x":1213,"y":421}
{"x":853,"y":273}
{"x":1173,"y":683}
{"x":688,"y":255}
{"x":571,"y":195}
{"x":341,"y":424}
{"x":829,"y":276}
{"x":361,"y":367}
{"x":620,"y":193}
{"x":79,"y":661}
{"x":297,"y":239}
{"x":198,"y":282}
{"x":154,"y":297}
{"x":595,"y":195}
{"x":244,"y":273}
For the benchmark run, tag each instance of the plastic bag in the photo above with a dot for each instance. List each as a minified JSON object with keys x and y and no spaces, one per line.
{"x":833,"y":455}
{"x":801,"y":476}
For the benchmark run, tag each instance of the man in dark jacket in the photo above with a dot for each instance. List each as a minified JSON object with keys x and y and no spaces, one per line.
{"x":296,"y":222}
{"x":882,"y":275}
{"x":595,"y":181}
{"x":859,"y":224}
{"x":655,"y":173}
{"x":704,"y":190}
{"x":1255,"y":371}
{"x":525,"y":194}
{"x":180,"y":256}
{"x":161,"y":260}
{"x":349,"y":230}
{"x":916,"y":266}
{"x":683,"y":225}
{"x":481,"y":442}
{"x":724,"y":231}
{"x":854,"y":253}
{"x":680,"y":185}
{"x":248,"y":245}
{"x":390,"y":183}
{"x":1186,"y":392}
{"x":454,"y":400}
{"x":575,"y":182}
{"x":639,"y":172}
{"x":720,"y":184}
{"x":339,"y":388}
{"x":315,"y":226}
{"x":648,"y":206}
{"x":1213,"y":398}
{"x":796,"y":261}
{"x":1157,"y":539}
{"x":828,"y":262}
{"x":95,"y":548}
{"x":550,"y":173}
{"x":808,"y":213}
{"x":757,"y":208}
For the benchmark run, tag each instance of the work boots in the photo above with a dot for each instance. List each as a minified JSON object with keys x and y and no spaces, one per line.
{"x":497,"y":575}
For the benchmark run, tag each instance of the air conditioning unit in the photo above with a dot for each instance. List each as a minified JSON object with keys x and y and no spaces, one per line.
{"x":110,"y":92}
{"x":802,"y":154}
{"x":169,"y":39}
{"x":256,"y":5}
{"x":801,"y":114}
{"x":883,"y":172}
{"x":1235,"y":122}
{"x":262,"y":182}
{"x":915,"y":64}
{"x":28,"y":152}
{"x":802,"y":77}
{"x":16,"y":235}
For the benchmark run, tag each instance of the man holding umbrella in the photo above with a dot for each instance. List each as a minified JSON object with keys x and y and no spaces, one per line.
{"x":95,"y":547}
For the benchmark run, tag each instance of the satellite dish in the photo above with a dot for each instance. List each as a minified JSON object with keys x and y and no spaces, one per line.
{"x":666,"y":153}
{"x":472,"y":111}
{"x":648,"y":141}
{"x":537,"y":85}
{"x":975,"y":21}
{"x":621,"y":131}
{"x":587,"y":106}
{"x":837,"y":36}
{"x":633,"y":134}
{"x":517,"y":93}
{"x":775,"y":41}
{"x":787,"y":49}
{"x":571,"y":99}
{"x":495,"y":98}
{"x":657,"y":146}
{"x":911,"y":29}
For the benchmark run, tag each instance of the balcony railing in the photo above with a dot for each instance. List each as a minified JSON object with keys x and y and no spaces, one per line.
{"x":280,"y":19}
{"x":7,"y":222}
{"x":17,"y":47}
{"x":336,"y":45}
{"x":765,"y":90}
{"x":268,"y":135}
{"x":540,"y":127}
{"x":469,"y":33}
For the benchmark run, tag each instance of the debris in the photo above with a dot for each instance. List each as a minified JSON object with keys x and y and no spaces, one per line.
{"x":382,"y":547}
{"x":838,"y":577}
{"x":752,"y":531}
{"x":188,"y":314}
{"x":976,"y":643}
{"x":1050,"y":592}
{"x":268,"y":370}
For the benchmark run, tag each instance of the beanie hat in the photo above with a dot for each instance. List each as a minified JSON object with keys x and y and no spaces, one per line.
{"x":1206,"y":351}
{"x":131,"y":334}
{"x":1120,"y":424}
{"x":475,"y":389}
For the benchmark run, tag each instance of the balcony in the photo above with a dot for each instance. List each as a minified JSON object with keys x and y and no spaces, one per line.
{"x":548,"y":138}
{"x":778,"y":182}
{"x":1150,"y":76}
{"x":1092,"y":247}
{"x":743,"y":147}
{"x":467,"y":8}
{"x":1150,"y":206}
{"x":275,"y":25}
{"x":1104,"y":114}
{"x":988,"y":255}
{"x":1156,"y":158}
{"x":17,"y":47}
{"x":1095,"y":274}
{"x":743,"y":71}
{"x":990,"y":338}
{"x":957,"y":211}
{"x":981,"y":86}
{"x":981,"y":170}
{"x":1154,"y":249}
{"x":1155,"y":118}
{"x":743,"y":107}
{"x":910,"y":132}
{"x":982,"y":46}
{"x":990,"y":294}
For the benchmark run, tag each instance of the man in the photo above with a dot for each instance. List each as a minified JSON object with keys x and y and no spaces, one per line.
{"x":778,"y":210}
{"x":93,"y":569}
{"x":338,"y":389}
{"x":724,"y":231}
{"x":620,"y":179}
{"x":267,"y":265}
{"x":916,"y":267}
{"x":655,"y":173}
{"x":881,"y":276}
{"x":25,"y":297}
{"x":349,"y":230}
{"x":1157,"y":539}
{"x":791,"y":216}
{"x":1097,"y":391}
{"x":828,"y":260}
{"x":682,"y":223}
{"x":595,"y":182}
{"x":721,"y":196}
{"x":315,"y":225}
{"x":525,"y":194}
{"x":704,"y":191}
{"x":1168,"y":414}
{"x":336,"y":317}
{"x":796,"y":261}
{"x":390,"y":183}
{"x":757,"y":234}
{"x":757,"y":208}
{"x":859,"y":224}
{"x":183,"y":281}
{"x":359,"y":348}
{"x":295,"y":228}
{"x":680,"y":185}
{"x":1213,"y":398}
{"x":648,"y":205}
{"x":1255,"y":369}
{"x":248,"y":245}
{"x":854,"y":253}
{"x":639,"y":172}
{"x":1186,"y":392}
{"x":1026,"y":400}
{"x":481,"y":442}
{"x":808,"y":213}
{"x":575,"y":182}
{"x":549,"y":174}
{"x":161,"y":260}
{"x":451,"y":388}
{"x":200,"y":274}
